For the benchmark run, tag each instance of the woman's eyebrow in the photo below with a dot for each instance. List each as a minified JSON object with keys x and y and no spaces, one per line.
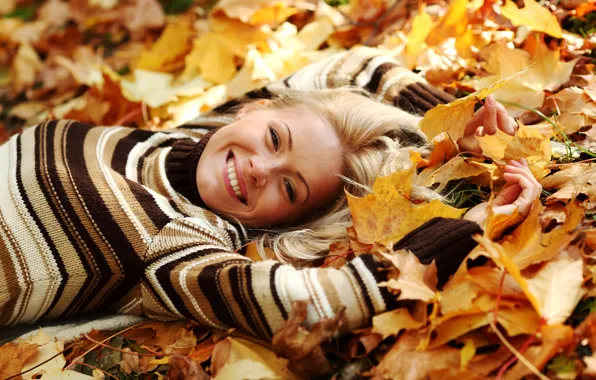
{"x":289,"y":135}
{"x":305,"y":184}
{"x":300,"y":176}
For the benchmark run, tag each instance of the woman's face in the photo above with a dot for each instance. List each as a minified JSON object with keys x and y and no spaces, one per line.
{"x":271,"y":167}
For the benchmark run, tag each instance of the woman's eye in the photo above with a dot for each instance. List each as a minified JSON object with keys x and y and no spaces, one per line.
{"x":274,"y":139}
{"x":290,"y":190}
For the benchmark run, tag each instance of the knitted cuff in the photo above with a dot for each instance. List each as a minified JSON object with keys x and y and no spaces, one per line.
{"x":379,"y":273}
{"x":420,"y":97}
{"x":447,"y":241}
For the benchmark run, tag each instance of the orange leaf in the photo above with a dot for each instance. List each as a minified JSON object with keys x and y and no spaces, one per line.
{"x":13,"y":356}
{"x":386,"y":215}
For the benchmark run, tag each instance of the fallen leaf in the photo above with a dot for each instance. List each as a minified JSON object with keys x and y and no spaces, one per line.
{"x":48,"y":362}
{"x":393,"y":322}
{"x":386,"y":215}
{"x":56,"y":12}
{"x":13,"y":356}
{"x":303,"y":347}
{"x":457,"y":168}
{"x":24,"y":68}
{"x":129,"y":362}
{"x":534,"y":16}
{"x":415,"y":280}
{"x":571,"y":181}
{"x":172,"y":45}
{"x":452,"y":117}
{"x":238,"y":358}
{"x":553,"y":297}
{"x":452,"y":25}
{"x":554,"y":339}
{"x":540,"y":70}
{"x":576,"y":109}
{"x":417,"y":35}
{"x":363,"y":344}
{"x":404,"y":361}
{"x":185,"y":342}
{"x":181,"y":367}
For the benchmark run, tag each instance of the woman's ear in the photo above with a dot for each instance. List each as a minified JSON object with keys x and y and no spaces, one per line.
{"x":252,"y":106}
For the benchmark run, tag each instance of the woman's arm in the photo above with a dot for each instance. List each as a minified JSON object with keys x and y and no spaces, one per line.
{"x":193,"y":273}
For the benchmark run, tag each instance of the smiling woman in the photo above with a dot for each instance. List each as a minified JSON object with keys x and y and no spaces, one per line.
{"x":271,"y":166}
{"x":151,"y":222}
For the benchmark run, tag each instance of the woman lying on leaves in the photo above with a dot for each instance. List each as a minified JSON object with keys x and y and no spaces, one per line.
{"x":153,"y":223}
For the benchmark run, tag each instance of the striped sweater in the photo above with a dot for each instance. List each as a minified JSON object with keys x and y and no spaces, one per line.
{"x":89,"y":220}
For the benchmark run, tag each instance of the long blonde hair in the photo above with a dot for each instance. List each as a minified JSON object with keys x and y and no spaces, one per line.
{"x":376,"y":138}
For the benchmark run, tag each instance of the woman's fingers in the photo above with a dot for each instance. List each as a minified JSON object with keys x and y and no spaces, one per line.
{"x":490,"y":115}
{"x":506,"y":123}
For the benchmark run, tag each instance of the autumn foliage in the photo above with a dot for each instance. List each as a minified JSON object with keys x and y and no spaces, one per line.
{"x":521,"y":305}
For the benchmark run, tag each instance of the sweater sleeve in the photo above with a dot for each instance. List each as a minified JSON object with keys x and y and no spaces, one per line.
{"x":363,"y":67}
{"x":193,"y":272}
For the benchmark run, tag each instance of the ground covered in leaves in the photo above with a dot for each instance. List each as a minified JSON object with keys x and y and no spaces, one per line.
{"x":522,"y":305}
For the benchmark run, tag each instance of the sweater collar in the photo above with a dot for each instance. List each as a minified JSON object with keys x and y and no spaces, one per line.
{"x":181,"y":166}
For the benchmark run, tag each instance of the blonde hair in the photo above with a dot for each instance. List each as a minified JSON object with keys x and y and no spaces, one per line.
{"x":376,"y":138}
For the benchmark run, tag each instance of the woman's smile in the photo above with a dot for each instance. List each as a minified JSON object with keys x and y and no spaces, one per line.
{"x":234,"y":179}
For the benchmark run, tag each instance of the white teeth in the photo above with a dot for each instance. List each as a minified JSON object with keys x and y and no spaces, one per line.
{"x":233,"y":179}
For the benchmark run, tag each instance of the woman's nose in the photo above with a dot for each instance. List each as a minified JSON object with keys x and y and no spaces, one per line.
{"x":260,"y":169}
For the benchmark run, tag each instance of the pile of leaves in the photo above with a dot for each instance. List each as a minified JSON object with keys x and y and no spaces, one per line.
{"x":521,"y":305}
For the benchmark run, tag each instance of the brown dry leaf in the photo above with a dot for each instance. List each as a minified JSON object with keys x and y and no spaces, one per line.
{"x":393,"y":322}
{"x":571,"y":181}
{"x":452,"y":117}
{"x":554,"y":340}
{"x":553,"y":215}
{"x":534,"y":16}
{"x":386,"y":215}
{"x":181,"y":367}
{"x":554,"y":297}
{"x":239,"y":358}
{"x":172,"y":45}
{"x":363,"y":343}
{"x":129,"y":362}
{"x":415,"y":280}
{"x":457,"y":168}
{"x":13,"y":356}
{"x":339,"y":255}
{"x":576,"y":109}
{"x":540,"y":70}
{"x":185,"y":342}
{"x":405,"y":362}
{"x":24,"y":68}
{"x":49,"y":352}
{"x":303,"y":347}
{"x":56,"y":12}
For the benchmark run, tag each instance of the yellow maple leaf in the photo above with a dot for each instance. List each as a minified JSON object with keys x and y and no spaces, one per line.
{"x":577,"y":109}
{"x":452,"y":117}
{"x":530,"y":143}
{"x":452,"y":25}
{"x":543,"y":71}
{"x":172,"y":44}
{"x":209,"y":58}
{"x":418,"y":33}
{"x":392,"y":322}
{"x":554,"y":290}
{"x":415,"y":281}
{"x":534,"y":16}
{"x":386,"y":215}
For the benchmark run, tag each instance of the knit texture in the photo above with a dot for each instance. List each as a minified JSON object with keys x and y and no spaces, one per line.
{"x":445,"y":241}
{"x":363,"y":67}
{"x":181,"y":166}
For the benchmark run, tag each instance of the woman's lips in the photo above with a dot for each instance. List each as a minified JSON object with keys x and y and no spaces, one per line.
{"x":239,"y":178}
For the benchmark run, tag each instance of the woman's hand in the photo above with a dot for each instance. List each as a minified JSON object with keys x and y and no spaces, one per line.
{"x":486,"y":121}
{"x":520,"y":191}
